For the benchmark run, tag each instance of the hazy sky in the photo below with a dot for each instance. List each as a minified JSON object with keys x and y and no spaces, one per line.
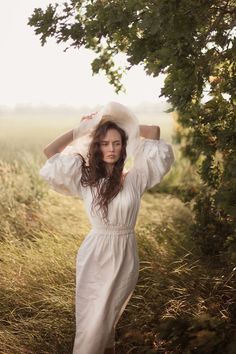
{"x":34,"y":75}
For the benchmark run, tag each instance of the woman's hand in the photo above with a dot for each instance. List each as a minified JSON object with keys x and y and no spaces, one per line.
{"x":84,"y":126}
{"x":150,"y":131}
{"x":90,"y":116}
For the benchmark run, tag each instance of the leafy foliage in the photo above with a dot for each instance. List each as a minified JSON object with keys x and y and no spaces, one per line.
{"x":193,"y":43}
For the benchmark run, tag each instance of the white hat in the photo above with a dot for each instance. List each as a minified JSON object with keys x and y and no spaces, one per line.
{"x":121,"y":115}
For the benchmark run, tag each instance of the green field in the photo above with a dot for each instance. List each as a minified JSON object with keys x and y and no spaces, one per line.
{"x":182,"y":302}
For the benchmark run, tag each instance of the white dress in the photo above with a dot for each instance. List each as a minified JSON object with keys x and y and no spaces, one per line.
{"x":107,"y":265}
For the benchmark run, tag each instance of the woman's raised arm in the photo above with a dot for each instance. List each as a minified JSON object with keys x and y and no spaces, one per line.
{"x":63,"y":140}
{"x":58,"y":144}
{"x":150,"y":131}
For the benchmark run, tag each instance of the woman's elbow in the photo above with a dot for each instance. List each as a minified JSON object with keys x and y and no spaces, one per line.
{"x":48,"y":152}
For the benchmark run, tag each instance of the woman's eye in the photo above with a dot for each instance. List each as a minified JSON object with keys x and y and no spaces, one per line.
{"x":105,"y":144}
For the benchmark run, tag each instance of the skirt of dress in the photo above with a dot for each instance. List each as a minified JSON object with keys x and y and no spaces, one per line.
{"x":107,"y":270}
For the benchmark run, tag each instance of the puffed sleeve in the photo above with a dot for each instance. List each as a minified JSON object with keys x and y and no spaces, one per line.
{"x":152,"y":161}
{"x":63,"y":172}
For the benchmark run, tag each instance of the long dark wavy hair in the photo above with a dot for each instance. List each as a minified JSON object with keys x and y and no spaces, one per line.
{"x":104,"y":187}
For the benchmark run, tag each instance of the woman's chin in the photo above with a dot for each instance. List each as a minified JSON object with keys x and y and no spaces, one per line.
{"x":110,"y":161}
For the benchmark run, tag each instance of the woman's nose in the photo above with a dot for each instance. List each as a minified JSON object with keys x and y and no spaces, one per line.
{"x":111,"y":147}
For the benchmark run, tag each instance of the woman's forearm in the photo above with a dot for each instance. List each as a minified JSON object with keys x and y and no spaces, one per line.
{"x":58,"y":144}
{"x":150,"y":131}
{"x":63,"y":140}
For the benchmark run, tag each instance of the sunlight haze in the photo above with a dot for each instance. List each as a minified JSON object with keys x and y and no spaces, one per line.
{"x":32,"y":75}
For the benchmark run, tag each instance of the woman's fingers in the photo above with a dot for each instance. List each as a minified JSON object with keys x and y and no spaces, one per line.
{"x":90,"y":116}
{"x":150,"y":131}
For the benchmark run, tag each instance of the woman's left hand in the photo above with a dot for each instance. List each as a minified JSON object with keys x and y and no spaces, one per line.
{"x":150,"y":131}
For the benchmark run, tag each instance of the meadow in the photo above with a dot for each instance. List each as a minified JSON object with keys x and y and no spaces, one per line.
{"x":183,"y":303}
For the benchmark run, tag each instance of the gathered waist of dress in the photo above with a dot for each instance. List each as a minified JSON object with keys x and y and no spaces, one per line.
{"x":113,"y":229}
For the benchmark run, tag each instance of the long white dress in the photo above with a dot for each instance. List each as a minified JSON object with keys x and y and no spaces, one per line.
{"x":107,"y":265}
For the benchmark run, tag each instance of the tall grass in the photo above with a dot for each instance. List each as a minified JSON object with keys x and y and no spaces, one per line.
{"x":37,"y":258}
{"x":183,"y":303}
{"x":21,"y":191}
{"x":179,"y":303}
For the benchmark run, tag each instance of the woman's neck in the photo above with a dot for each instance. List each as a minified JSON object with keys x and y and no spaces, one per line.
{"x":109,"y":169}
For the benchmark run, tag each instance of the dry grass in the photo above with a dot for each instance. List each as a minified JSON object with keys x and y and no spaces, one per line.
{"x":176,"y":298}
{"x":182,"y":303}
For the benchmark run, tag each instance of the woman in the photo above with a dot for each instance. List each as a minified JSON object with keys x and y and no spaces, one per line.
{"x":88,"y":162}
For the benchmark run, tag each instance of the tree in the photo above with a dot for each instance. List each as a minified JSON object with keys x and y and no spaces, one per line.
{"x":193,"y":43}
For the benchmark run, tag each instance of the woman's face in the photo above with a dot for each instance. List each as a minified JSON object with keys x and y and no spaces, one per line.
{"x":111,"y":145}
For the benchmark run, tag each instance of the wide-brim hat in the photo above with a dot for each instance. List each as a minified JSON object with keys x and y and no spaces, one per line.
{"x":112,"y":111}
